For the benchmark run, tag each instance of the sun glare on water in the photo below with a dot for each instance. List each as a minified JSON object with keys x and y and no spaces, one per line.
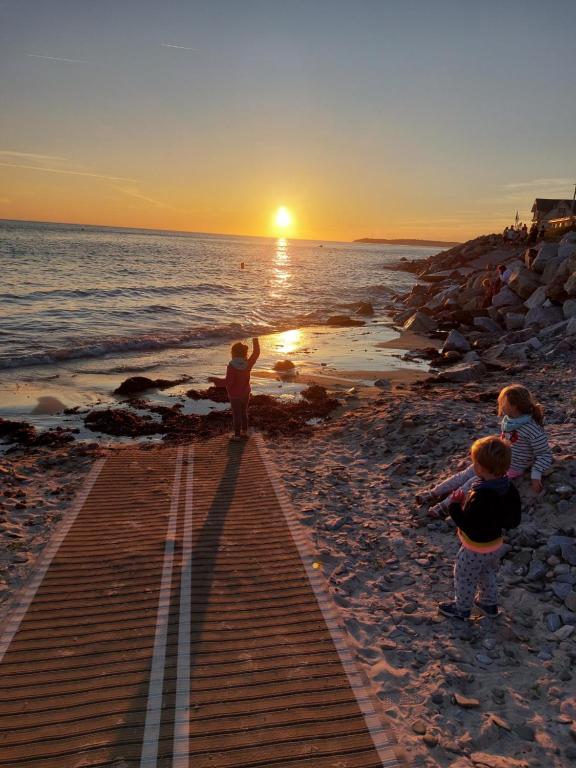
{"x":283,"y":217}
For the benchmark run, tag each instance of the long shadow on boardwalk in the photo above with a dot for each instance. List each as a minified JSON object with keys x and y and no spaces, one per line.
{"x":207,"y":544}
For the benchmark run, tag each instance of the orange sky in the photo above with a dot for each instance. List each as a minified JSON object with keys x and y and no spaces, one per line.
{"x":207,"y":117}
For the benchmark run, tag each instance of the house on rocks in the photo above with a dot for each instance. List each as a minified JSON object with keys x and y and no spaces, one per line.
{"x":552,"y":213}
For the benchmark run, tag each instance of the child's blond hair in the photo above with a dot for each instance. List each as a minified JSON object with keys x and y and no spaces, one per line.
{"x":492,"y":453}
{"x":521,"y":398}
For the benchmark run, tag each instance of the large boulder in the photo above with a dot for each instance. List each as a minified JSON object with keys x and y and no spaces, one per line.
{"x":521,"y":350}
{"x":463,"y":373}
{"x":487,"y":324}
{"x":420,"y":323}
{"x":547,"y":252}
{"x":555,"y":288}
{"x":551,"y":269}
{"x":566,"y":250}
{"x":456,"y":342}
{"x":523,"y":282}
{"x":543,"y":316}
{"x":570,"y":285}
{"x":537,"y":298}
{"x":506,"y":298}
{"x":344,"y":321}
{"x":571,"y":327}
{"x":513,"y":321}
{"x":569,"y":308}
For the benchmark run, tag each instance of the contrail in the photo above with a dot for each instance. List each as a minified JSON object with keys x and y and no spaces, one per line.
{"x":68,"y":173}
{"x":56,"y":58}
{"x":180,"y":47}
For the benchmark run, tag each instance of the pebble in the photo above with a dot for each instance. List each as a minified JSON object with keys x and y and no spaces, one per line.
{"x":465,"y":702}
{"x":483,"y":659}
{"x":553,"y":622}
{"x":419,"y":727}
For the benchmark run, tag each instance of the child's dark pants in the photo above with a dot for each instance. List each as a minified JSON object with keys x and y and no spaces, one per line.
{"x":240,"y":414}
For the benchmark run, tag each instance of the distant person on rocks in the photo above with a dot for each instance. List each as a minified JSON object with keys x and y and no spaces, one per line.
{"x":237,"y":383}
{"x":504,"y":273}
{"x":521,"y":426}
{"x":523,"y":232}
{"x":533,"y":234}
{"x":491,"y":505}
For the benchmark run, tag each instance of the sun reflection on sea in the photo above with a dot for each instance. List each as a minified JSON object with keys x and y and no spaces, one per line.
{"x":281,"y":274}
{"x":287,"y":342}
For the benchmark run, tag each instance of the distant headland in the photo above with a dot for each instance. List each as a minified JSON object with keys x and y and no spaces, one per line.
{"x":446,"y":243}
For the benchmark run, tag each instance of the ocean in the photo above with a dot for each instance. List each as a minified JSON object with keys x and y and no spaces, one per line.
{"x":83,"y":308}
{"x":75,"y":292}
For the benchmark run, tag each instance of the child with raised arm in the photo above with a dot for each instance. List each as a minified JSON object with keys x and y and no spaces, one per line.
{"x":237,"y":383}
{"x":521,"y":426}
{"x":493,"y":503}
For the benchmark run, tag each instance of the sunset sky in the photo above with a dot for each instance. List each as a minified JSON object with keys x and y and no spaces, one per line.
{"x":391,"y":118}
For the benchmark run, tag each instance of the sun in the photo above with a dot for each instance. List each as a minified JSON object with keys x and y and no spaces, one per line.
{"x":283,"y":217}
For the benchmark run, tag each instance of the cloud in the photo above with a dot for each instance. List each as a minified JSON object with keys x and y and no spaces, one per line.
{"x":56,"y":58}
{"x":135,"y":193}
{"x":179,"y":47}
{"x":53,"y":164}
{"x":5,"y":153}
{"x":540,"y":184}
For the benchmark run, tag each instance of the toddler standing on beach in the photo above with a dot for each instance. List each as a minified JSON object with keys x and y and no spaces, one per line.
{"x":521,"y":425}
{"x":237,"y":383}
{"x":492,"y":503}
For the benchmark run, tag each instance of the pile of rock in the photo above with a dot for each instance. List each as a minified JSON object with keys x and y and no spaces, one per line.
{"x":533,"y":314}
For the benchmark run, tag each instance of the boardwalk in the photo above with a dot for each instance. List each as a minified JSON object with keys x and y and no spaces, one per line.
{"x":178,"y":621}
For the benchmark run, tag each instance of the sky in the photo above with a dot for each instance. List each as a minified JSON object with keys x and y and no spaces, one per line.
{"x":365,"y":118}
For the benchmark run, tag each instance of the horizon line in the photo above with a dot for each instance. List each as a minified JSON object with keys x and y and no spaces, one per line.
{"x":218,"y":234}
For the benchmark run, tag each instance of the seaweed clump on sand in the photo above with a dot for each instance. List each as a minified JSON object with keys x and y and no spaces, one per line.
{"x":21,"y":433}
{"x":271,"y":415}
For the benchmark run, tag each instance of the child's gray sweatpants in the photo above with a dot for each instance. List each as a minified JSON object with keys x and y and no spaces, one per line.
{"x":461,"y":480}
{"x":474,"y":570}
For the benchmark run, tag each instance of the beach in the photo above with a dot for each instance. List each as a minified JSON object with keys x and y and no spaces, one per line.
{"x":489,"y":693}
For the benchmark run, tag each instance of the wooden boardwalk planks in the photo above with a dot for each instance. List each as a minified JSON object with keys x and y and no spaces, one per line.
{"x":180,"y":623}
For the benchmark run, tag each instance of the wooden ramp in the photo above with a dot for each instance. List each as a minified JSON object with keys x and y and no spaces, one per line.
{"x":177,"y":620}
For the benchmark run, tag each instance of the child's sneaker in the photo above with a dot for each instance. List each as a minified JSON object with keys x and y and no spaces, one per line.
{"x":489,"y":610}
{"x":437,"y":512}
{"x":450,"y":610}
{"x":425,"y":497}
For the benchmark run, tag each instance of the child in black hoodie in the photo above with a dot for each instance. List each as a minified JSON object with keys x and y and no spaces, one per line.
{"x":493,"y":503}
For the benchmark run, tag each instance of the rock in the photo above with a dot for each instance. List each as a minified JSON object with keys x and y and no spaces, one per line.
{"x":561,"y":590}
{"x":571,"y":327}
{"x":543,"y":316}
{"x":570,"y":285}
{"x":488,"y":325}
{"x":506,"y":298}
{"x":141,"y":383}
{"x":456,"y":342}
{"x":569,"y":308}
{"x":365,"y":308}
{"x":523,"y":282}
{"x":464,"y":701}
{"x":514,"y":321}
{"x":465,"y":372}
{"x":343,"y":321}
{"x":520,"y":351}
{"x":382,"y":383}
{"x":553,"y":622}
{"x":525,"y":731}
{"x":564,"y":632}
{"x":536,"y":571}
{"x":284,"y":366}
{"x":420,"y":323}
{"x":570,"y":601}
{"x":486,"y":760}
{"x":419,"y":727}
{"x":537,"y":298}
{"x":563,"y":545}
{"x":566,"y":250}
{"x":547,"y":252}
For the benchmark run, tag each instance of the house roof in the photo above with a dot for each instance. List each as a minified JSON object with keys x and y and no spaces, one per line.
{"x":546,"y":204}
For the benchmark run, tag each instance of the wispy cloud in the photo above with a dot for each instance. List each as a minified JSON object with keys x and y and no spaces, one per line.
{"x":179,"y":47}
{"x":6,"y":154}
{"x":65,"y":171}
{"x":56,"y":58}
{"x":135,"y":193}
{"x":53,"y":164}
{"x":540,"y":184}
